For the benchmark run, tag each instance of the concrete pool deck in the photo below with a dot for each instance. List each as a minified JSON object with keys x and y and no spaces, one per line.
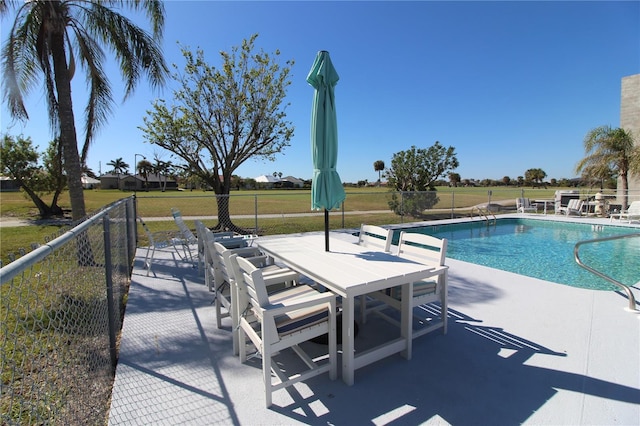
{"x":518,"y":350}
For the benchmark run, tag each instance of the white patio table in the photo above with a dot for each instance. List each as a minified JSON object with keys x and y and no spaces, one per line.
{"x":350,"y":270}
{"x":545,"y":202}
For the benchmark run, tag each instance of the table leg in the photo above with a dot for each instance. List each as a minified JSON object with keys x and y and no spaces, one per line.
{"x":348,"y":347}
{"x":406,"y":321}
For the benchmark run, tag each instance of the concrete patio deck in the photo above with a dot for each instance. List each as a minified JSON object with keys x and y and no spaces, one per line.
{"x":519,"y":350}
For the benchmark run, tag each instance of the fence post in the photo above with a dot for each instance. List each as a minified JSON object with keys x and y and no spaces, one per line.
{"x":255,"y":211}
{"x":132,"y":231}
{"x":453,"y":203}
{"x":343,"y":215}
{"x":109,"y":282}
{"x":401,"y":206}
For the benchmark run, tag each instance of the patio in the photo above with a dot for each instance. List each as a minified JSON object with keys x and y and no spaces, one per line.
{"x":518,"y":350}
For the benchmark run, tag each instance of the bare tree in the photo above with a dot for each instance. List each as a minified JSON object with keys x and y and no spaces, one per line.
{"x":220,"y":118}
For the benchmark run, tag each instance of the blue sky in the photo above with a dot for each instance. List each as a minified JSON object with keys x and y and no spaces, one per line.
{"x":510,"y":85}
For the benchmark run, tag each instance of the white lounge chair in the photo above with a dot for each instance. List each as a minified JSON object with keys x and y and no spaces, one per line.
{"x":574,"y":207}
{"x":157,"y":241}
{"x":524,"y":205}
{"x":631,"y":214}
{"x":188,"y":237}
{"x":284,"y":320}
{"x":429,"y":251}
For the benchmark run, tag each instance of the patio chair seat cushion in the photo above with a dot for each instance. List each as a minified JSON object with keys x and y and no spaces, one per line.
{"x":300,"y":319}
{"x":420,"y":288}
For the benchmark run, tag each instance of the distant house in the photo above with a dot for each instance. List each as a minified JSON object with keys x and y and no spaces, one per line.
{"x":291,"y":182}
{"x":8,"y":184}
{"x":89,"y":183}
{"x":154,"y":182}
{"x":267,"y":181}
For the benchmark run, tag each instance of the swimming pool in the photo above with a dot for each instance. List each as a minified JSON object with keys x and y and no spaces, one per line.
{"x":544,"y":249}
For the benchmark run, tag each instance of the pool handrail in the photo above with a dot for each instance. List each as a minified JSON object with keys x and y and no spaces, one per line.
{"x":625,"y":288}
{"x":484,"y":214}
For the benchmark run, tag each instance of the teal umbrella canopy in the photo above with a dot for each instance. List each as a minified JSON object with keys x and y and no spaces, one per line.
{"x":326,"y":188}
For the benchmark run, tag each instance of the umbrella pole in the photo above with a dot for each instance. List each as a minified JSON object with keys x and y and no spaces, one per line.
{"x":326,"y":230}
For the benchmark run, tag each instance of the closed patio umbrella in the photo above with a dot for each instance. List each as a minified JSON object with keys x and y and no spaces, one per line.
{"x":326,"y":189}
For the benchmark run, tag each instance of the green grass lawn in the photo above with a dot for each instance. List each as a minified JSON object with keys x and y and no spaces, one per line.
{"x":202,"y":204}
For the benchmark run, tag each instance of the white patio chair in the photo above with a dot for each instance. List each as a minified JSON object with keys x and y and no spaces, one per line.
{"x":631,"y":214}
{"x":204,"y":233}
{"x":524,"y":205}
{"x":431,"y":251}
{"x":276,"y":278}
{"x":220,"y":279}
{"x":283,"y":320}
{"x":157,"y":240}
{"x":377,"y":238}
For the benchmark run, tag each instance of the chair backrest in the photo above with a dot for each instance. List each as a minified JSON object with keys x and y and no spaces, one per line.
{"x":634,"y":207}
{"x":252,"y":291}
{"x":184,"y":229}
{"x":422,"y":248}
{"x":220,"y":259}
{"x":523,"y":203}
{"x":574,"y":204}
{"x":375,"y":237}
{"x":147,"y":231}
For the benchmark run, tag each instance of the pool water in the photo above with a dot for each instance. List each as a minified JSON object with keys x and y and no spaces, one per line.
{"x":544,"y":249}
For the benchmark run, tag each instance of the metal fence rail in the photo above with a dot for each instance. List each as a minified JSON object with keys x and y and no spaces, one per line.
{"x":61,"y":309}
{"x":285,"y":212}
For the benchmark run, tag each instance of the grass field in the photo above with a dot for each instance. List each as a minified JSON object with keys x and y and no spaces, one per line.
{"x":272,"y":202}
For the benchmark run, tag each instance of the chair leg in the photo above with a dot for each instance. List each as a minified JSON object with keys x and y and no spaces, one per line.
{"x":242,"y":348}
{"x":266,"y":375}
{"x":444,"y":301}
{"x":153,"y":252}
{"x":218,"y":295}
{"x":363,"y":309}
{"x":146,"y":258}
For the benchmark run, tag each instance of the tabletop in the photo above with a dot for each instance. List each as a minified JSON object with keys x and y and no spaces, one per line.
{"x":347,"y":269}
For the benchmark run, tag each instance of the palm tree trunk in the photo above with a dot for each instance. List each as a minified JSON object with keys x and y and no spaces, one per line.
{"x":624,"y":176}
{"x":68,"y":139}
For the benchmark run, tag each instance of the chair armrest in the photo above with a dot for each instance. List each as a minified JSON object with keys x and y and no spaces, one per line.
{"x":247,"y":252}
{"x":258,"y":261}
{"x":296,"y":303}
{"x":279,"y":277}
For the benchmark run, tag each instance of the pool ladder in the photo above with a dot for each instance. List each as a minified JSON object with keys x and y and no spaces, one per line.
{"x":625,"y":288}
{"x":484,"y":214}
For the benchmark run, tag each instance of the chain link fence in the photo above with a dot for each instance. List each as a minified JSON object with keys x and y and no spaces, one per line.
{"x":61,"y":309}
{"x":287,"y":212}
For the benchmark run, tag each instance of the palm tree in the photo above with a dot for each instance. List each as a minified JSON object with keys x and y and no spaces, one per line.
{"x":118,"y":166}
{"x":378,"y":166}
{"x":610,"y":151}
{"x":145,"y":168}
{"x":48,"y":35}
